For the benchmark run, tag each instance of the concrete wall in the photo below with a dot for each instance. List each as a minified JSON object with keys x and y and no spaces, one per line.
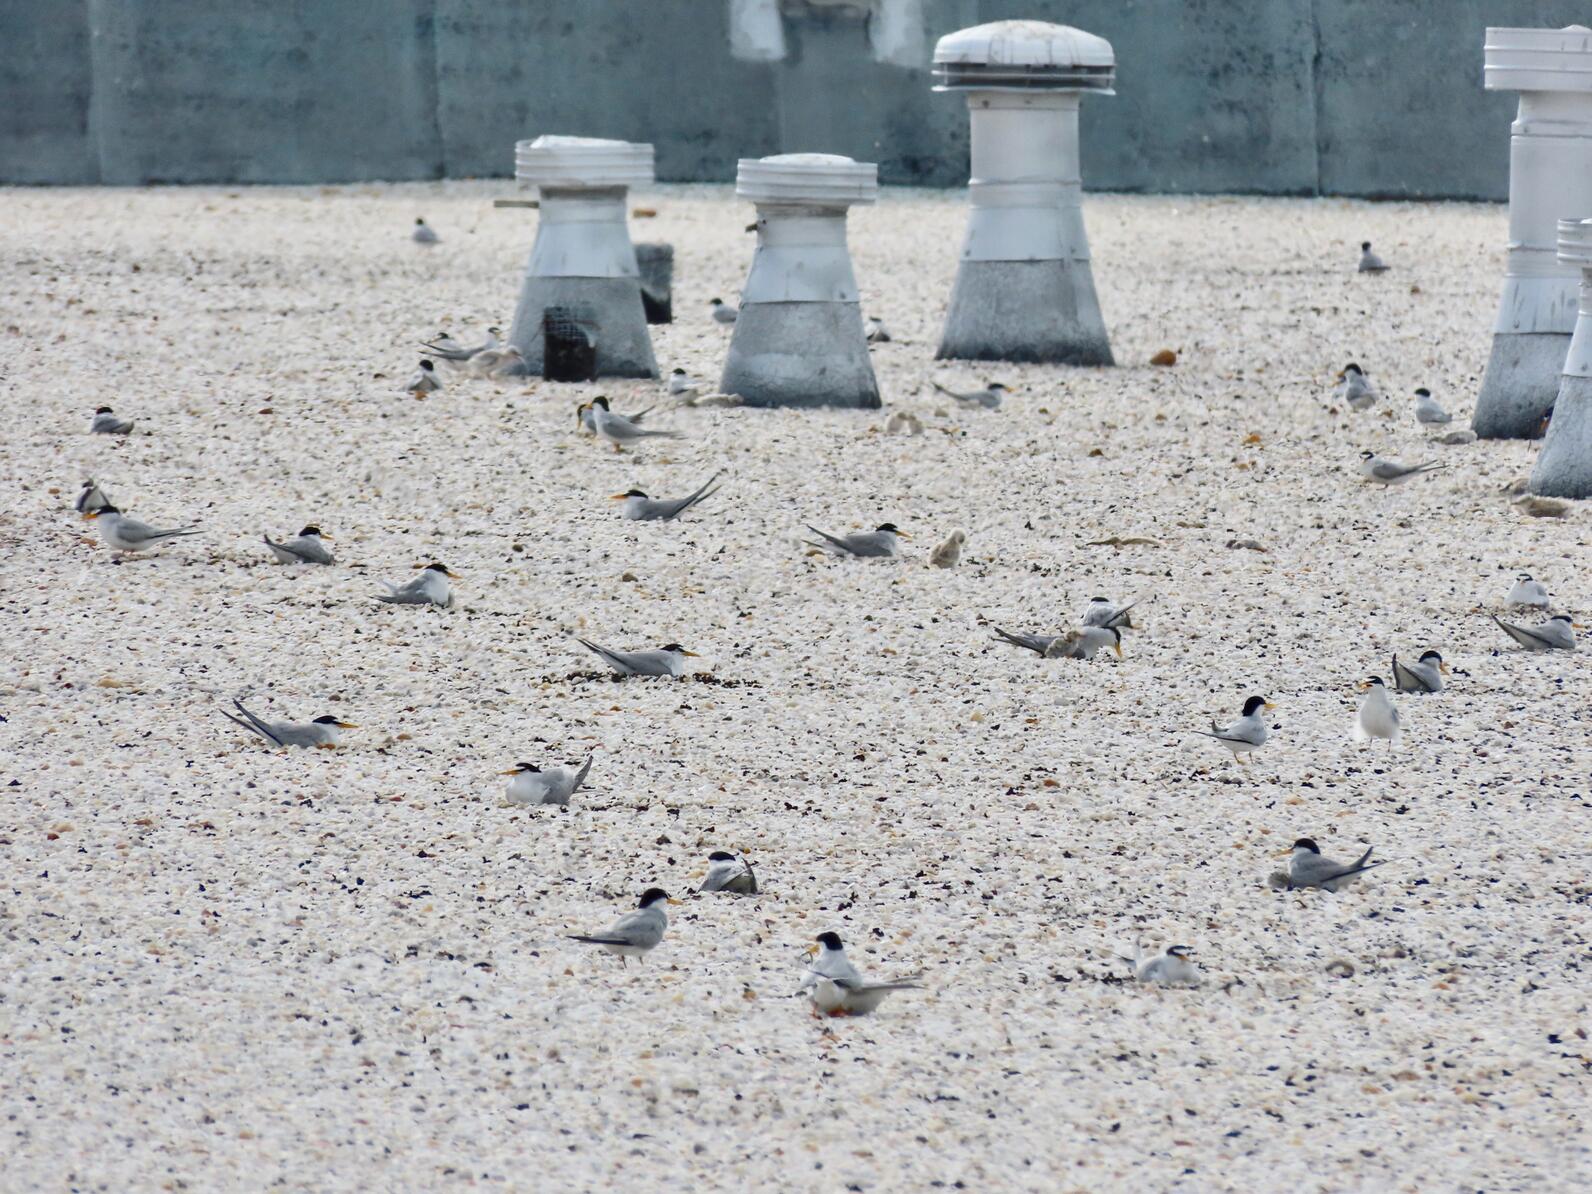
{"x":1353,"y":97}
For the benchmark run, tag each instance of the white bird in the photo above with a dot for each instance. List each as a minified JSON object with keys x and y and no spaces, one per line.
{"x":880,"y":543}
{"x":423,"y":380}
{"x":429,"y":588}
{"x":1427,"y":410}
{"x":586,"y":420}
{"x":638,"y":507}
{"x":669,"y":660}
{"x":423,"y":234}
{"x":1169,"y":969}
{"x":323,"y":733}
{"x":1528,"y":592}
{"x":91,"y":497}
{"x":497,"y":363}
{"x":722,"y":311}
{"x":989,"y":397}
{"x":634,"y":933}
{"x":1356,"y":389}
{"x":1370,"y":263}
{"x":617,"y":429}
{"x":836,"y":988}
{"x":1247,"y":734}
{"x":949,"y":553}
{"x":1377,"y":716}
{"x":1424,"y":675}
{"x":306,"y":549}
{"x":1102,"y":612}
{"x":1308,"y":867}
{"x":1556,"y":634}
{"x":121,"y":533}
{"x":1392,"y":472}
{"x":532,"y":785}
{"x":459,"y":356}
{"x":105,"y":422}
{"x":729,"y":872}
{"x":875,"y":331}
{"x":682,"y":385}
{"x":1084,"y":643}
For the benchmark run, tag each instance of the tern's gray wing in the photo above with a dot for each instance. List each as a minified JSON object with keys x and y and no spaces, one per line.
{"x":1318,"y":871}
{"x":1237,"y":732}
{"x":1386,"y":470}
{"x":133,"y":530}
{"x":580,"y":776}
{"x":300,"y":549}
{"x":1526,"y":636}
{"x":618,"y":427}
{"x":1037,"y":643}
{"x":871,"y":543}
{"x":675,"y":507}
{"x":842,"y":545}
{"x":452,"y":354}
{"x":641,"y":929}
{"x":264,"y":728}
{"x":1407,"y":679}
{"x":409,"y":593}
{"x":639,"y":663}
{"x":953,"y":394}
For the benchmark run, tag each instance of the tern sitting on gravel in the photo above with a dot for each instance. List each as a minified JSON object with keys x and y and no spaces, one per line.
{"x":1556,"y":634}
{"x":306,"y":549}
{"x":429,"y":588}
{"x":1427,"y":410}
{"x":1425,"y":675}
{"x":1356,"y":389}
{"x":682,"y":385}
{"x":875,"y":332}
{"x":728,"y":872}
{"x":1377,"y":716}
{"x":1392,"y":472}
{"x":423,"y":380}
{"x":880,"y":543}
{"x":989,"y":397}
{"x":323,"y":733}
{"x":640,"y":508}
{"x":497,"y":363}
{"x":1101,"y":612}
{"x":1309,"y":867}
{"x":124,"y":534}
{"x":1247,"y":734}
{"x":634,"y":933}
{"x":1169,"y":969}
{"x":722,"y":311}
{"x":459,"y":356}
{"x":669,"y":660}
{"x":1370,"y":263}
{"x":1084,"y":643}
{"x":91,"y":498}
{"x":836,"y":988}
{"x":1528,"y":592}
{"x":949,"y":553}
{"x":423,"y":234}
{"x":532,"y":785}
{"x":105,"y":422}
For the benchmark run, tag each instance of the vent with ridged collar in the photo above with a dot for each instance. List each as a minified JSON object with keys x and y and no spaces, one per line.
{"x":1024,"y":56}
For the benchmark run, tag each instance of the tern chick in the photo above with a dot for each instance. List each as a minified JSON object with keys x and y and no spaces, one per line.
{"x":124,"y":534}
{"x":91,"y":497}
{"x":423,"y":380}
{"x":1556,"y":634}
{"x":949,"y":553}
{"x":1377,"y":716}
{"x":875,"y":331}
{"x":1169,"y":969}
{"x":306,"y":549}
{"x":323,"y":733}
{"x":1085,"y":643}
{"x":1528,"y":592}
{"x":989,"y":397}
{"x":532,"y":785}
{"x":1392,"y":472}
{"x":903,"y":422}
{"x":722,"y":311}
{"x":105,"y":422}
{"x":1370,"y":263}
{"x":1427,"y":410}
{"x":1424,"y":675}
{"x":423,"y":234}
{"x":1309,"y":867}
{"x":1356,"y":389}
{"x":1247,"y":734}
{"x":835,"y":986}
{"x":880,"y":543}
{"x":429,"y":588}
{"x":634,"y":933}
{"x":640,"y":508}
{"x":668,"y":660}
{"x":731,"y":873}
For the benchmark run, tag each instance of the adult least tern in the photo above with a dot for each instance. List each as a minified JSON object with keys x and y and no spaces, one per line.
{"x":459,"y":356}
{"x":949,"y":553}
{"x":1309,"y":867}
{"x":532,"y":785}
{"x":880,"y":543}
{"x":874,"y":331}
{"x":429,"y":588}
{"x":307,"y":548}
{"x":423,"y":380}
{"x":1355,"y":388}
{"x":1102,"y":612}
{"x":731,"y":873}
{"x":682,"y":385}
{"x":836,"y":988}
{"x":1084,"y":643}
{"x":1247,"y":734}
{"x":1424,"y":675}
{"x":1427,"y":410}
{"x":423,"y":233}
{"x":121,"y":533}
{"x":634,"y":933}
{"x":1392,"y":472}
{"x":617,"y":429}
{"x":105,"y":422}
{"x":586,"y":420}
{"x":668,"y":660}
{"x":1377,"y":716}
{"x":1169,"y":969}
{"x":1370,"y":263}
{"x":323,"y":733}
{"x":1556,"y":634}
{"x":989,"y":398}
{"x":640,"y":508}
{"x":1528,"y":592}
{"x":722,"y":311}
{"x":498,"y":363}
{"x":91,"y":497}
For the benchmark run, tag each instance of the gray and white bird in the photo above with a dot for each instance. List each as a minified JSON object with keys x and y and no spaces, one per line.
{"x":1102,"y":612}
{"x":1528,"y":592}
{"x":423,"y":380}
{"x":668,"y":660}
{"x":1377,"y":716}
{"x":729,"y":872}
{"x":949,"y":553}
{"x":531,"y":785}
{"x":121,"y":533}
{"x":882,"y":542}
{"x":1370,"y":263}
{"x":429,"y":588}
{"x":638,"y":507}
{"x":307,"y":548}
{"x":722,"y":311}
{"x":423,"y":233}
{"x":617,"y":429}
{"x":989,"y":397}
{"x":105,"y":422}
{"x":323,"y":733}
{"x":1309,"y":867}
{"x":91,"y":497}
{"x":459,"y":356}
{"x":1427,"y":411}
{"x":1424,"y":675}
{"x":1355,"y":388}
{"x":498,"y":363}
{"x":1084,"y":643}
{"x":634,"y":933}
{"x":1556,"y":634}
{"x":1247,"y":734}
{"x":1169,"y":969}
{"x":875,"y":331}
{"x":836,"y":988}
{"x":682,"y":385}
{"x":1392,"y":472}
{"x":586,"y":421}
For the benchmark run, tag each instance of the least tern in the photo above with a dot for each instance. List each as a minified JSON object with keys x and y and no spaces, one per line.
{"x":429,"y":588}
{"x":722,"y":311}
{"x":105,"y":422}
{"x":1391,"y":472}
{"x":423,"y":234}
{"x":1370,"y":263}
{"x":1169,"y":969}
{"x":682,"y":385}
{"x":634,"y":933}
{"x":91,"y":497}
{"x":459,"y":356}
{"x":1102,"y":612}
{"x":1308,"y":867}
{"x":875,"y":331}
{"x":879,"y":543}
{"x":1425,"y":675}
{"x":669,"y":660}
{"x":498,"y":363}
{"x":1085,"y":643}
{"x":532,"y":785}
{"x":306,"y":549}
{"x":1356,"y":389}
{"x":1556,"y":634}
{"x":949,"y":553}
{"x":587,"y":421}
{"x":640,"y":508}
{"x":836,"y":988}
{"x":731,"y":873}
{"x":989,"y":397}
{"x":1528,"y":592}
{"x":903,"y":422}
{"x":1248,"y":733}
{"x":423,"y":380}
{"x":121,"y":533}
{"x":617,"y":429}
{"x":1377,"y":716}
{"x":323,"y":733}
{"x":1428,"y":411}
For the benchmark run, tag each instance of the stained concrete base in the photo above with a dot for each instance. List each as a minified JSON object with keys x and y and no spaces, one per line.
{"x":1040,"y":311}
{"x":800,"y":354}
{"x":613,"y":305}
{"x":1564,"y":466}
{"x":1520,"y":384}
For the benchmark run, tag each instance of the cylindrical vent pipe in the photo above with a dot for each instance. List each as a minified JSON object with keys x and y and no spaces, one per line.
{"x":1550,"y":178}
{"x":583,"y":259}
{"x":1564,"y":466}
{"x":1024,"y":288}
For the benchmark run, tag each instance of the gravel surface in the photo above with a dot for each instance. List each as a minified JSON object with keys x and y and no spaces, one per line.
{"x":232,"y":968}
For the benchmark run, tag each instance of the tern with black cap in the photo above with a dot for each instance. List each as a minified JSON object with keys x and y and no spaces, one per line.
{"x":429,"y":588}
{"x":532,"y":785}
{"x":323,"y":733}
{"x":1247,"y":734}
{"x":634,"y":933}
{"x":882,"y":542}
{"x":306,"y":548}
{"x":669,"y":660}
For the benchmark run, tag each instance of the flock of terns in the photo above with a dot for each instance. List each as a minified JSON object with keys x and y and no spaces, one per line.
{"x":831,"y":982}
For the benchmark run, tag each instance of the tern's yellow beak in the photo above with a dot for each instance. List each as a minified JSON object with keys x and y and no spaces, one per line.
{"x":1577,"y":625}
{"x":1443,"y":667}
{"x":1283,"y":853}
{"x":1117,"y":647}
{"x":450,"y":573}
{"x":1341,"y":375}
{"x":812,"y":951}
{"x":617,"y":497}
{"x":510,"y":771}
{"x":347,"y":725}
{"x":1362,"y":686}
{"x":1268,"y":705}
{"x":91,"y":514}
{"x":902,"y":535}
{"x":324,"y":535}
{"x":692,"y":654}
{"x":673,"y":901}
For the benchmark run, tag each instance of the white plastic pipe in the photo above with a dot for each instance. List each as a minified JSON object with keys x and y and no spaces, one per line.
{"x":1564,"y":466}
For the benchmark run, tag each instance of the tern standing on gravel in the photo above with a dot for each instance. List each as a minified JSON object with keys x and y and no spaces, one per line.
{"x":634,"y":933}
{"x":1377,"y":717}
{"x":124,"y":534}
{"x":1246,"y":735}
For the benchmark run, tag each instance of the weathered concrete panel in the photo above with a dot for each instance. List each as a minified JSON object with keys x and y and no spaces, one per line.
{"x":45,"y":80}
{"x":264,"y":90}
